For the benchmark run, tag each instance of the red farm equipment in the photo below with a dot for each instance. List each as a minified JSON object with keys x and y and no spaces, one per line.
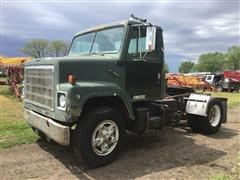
{"x":13,"y":70}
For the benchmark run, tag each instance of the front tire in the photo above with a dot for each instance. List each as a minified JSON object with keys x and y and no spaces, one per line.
{"x":99,"y":137}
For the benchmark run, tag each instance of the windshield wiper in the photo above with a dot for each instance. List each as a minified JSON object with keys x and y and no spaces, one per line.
{"x":97,"y":53}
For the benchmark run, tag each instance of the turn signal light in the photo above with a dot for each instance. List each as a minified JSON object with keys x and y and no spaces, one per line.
{"x":71,"y":79}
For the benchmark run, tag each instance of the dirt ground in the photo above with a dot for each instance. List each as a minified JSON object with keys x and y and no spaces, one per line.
{"x":173,"y":153}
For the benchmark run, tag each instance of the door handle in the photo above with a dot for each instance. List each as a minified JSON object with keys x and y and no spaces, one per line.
{"x":114,"y":73}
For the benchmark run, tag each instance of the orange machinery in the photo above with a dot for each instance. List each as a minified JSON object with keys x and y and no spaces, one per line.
{"x":182,"y":80}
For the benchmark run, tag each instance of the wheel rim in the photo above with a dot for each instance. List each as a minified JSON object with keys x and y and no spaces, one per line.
{"x":105,"y":137}
{"x":219,"y":89}
{"x":215,"y":115}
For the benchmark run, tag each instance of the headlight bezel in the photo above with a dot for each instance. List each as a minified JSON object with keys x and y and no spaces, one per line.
{"x":61,"y":100}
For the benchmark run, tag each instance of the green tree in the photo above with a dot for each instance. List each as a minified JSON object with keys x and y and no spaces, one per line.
{"x":166,"y":68}
{"x":36,"y":48}
{"x":58,"y":48}
{"x":233,"y":58}
{"x":210,"y":62}
{"x":186,"y":67}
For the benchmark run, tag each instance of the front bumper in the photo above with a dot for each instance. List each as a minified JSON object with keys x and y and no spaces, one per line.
{"x":53,"y":130}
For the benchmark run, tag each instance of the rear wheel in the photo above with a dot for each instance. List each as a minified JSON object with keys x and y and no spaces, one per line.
{"x":212,"y":122}
{"x":237,"y":89}
{"x":219,"y":88}
{"x":193,"y":122}
{"x":99,"y":137}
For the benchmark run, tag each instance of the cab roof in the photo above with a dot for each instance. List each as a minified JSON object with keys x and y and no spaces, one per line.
{"x":117,"y":23}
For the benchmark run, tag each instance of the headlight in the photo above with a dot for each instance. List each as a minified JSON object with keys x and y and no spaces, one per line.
{"x":61,"y":100}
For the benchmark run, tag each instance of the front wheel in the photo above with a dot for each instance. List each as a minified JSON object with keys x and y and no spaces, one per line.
{"x":99,"y":137}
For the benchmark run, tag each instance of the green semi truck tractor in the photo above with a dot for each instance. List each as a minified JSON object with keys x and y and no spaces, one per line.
{"x":112,"y":81}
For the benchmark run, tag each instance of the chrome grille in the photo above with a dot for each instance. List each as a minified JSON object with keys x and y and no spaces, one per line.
{"x":39,"y":86}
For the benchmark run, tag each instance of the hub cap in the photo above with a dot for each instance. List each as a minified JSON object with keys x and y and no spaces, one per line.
{"x":215,"y":115}
{"x":105,"y":137}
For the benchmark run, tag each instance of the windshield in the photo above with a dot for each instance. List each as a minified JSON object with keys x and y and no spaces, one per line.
{"x":101,"y":42}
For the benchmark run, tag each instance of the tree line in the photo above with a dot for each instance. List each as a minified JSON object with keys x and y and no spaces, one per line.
{"x":214,"y":62}
{"x":39,"y":48}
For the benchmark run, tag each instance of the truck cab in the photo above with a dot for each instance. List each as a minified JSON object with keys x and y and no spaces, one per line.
{"x":111,"y":81}
{"x":224,"y":81}
{"x":209,"y":78}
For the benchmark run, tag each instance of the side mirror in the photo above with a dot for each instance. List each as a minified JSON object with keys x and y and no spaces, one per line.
{"x":151,"y":38}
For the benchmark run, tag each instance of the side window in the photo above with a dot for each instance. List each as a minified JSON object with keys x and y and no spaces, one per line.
{"x":209,"y":78}
{"x":133,"y":48}
{"x":137,"y":45}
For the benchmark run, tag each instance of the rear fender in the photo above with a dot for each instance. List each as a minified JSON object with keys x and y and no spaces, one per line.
{"x":197,"y":104}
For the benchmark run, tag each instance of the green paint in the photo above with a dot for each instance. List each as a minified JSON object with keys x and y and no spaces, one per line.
{"x":106,"y":74}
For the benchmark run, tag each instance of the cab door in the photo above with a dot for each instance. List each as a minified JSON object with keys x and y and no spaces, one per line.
{"x":144,"y":71}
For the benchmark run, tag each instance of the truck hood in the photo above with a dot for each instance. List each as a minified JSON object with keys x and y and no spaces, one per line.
{"x":85,"y":68}
{"x":56,"y":60}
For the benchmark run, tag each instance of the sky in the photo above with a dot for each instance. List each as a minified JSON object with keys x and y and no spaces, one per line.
{"x":190,"y":27}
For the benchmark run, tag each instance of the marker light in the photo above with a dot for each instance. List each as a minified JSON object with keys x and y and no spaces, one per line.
{"x":72,"y":79}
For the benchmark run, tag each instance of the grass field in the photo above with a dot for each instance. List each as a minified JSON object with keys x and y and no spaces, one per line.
{"x":14,"y":130}
{"x":233,"y":98}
